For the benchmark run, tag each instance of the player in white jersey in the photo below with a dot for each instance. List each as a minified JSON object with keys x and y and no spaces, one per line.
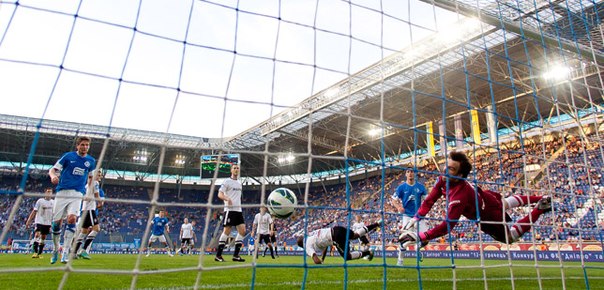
{"x":186,"y":235}
{"x":263,"y":222}
{"x":90,"y":222}
{"x":273,"y":239}
{"x":318,"y":241}
{"x":230,"y":193}
{"x":42,"y":216}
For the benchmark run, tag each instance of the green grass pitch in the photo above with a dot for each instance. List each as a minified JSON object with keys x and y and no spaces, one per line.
{"x":289,"y":273}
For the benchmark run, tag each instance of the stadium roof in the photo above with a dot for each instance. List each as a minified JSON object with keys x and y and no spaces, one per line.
{"x":470,"y":66}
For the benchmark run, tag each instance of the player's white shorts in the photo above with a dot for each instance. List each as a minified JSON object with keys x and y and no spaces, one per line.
{"x":422,"y":223}
{"x":154,"y":238}
{"x":67,"y":202}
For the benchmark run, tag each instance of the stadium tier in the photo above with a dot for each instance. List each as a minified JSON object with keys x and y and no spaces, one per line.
{"x":580,"y":214}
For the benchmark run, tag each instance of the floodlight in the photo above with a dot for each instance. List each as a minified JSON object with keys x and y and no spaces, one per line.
{"x":374,"y":131}
{"x":557,"y":72}
{"x":286,"y":159}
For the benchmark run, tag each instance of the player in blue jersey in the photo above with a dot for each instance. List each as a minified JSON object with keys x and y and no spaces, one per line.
{"x":250,"y":246}
{"x":159,"y":226}
{"x":407,"y":199}
{"x":70,"y":174}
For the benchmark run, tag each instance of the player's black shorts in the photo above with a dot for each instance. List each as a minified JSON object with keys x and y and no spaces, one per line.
{"x":338,"y":235}
{"x":233,"y":218}
{"x":264,"y":238}
{"x":185,"y":241}
{"x":90,"y":218}
{"x":43,"y":229}
{"x":273,"y":238}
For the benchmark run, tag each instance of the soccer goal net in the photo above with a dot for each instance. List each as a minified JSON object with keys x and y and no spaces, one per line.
{"x":479,"y":121}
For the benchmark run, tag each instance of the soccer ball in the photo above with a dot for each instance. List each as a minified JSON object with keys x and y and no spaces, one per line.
{"x":281,"y":203}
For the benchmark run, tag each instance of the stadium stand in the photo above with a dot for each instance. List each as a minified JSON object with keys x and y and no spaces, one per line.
{"x":579,"y":215}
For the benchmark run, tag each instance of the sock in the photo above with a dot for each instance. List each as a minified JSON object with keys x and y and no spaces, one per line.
{"x":365,"y":253}
{"x":89,"y":240}
{"x":168,"y":249}
{"x":79,"y":241}
{"x":35,"y":247}
{"x":401,"y":255}
{"x":364,"y":241}
{"x":520,"y":200}
{"x":56,"y":235}
{"x":372,"y":227}
{"x":523,"y":225}
{"x":40,"y":248}
{"x":68,"y":237}
{"x":356,"y":255}
{"x":364,"y":230}
{"x":238,"y":244}
{"x":264,"y":253}
{"x":271,"y":248}
{"x":221,"y":244}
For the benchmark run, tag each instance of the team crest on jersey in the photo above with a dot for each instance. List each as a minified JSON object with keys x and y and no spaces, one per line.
{"x":87,"y":164}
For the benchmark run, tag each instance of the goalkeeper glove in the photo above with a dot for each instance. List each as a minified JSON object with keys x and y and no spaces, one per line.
{"x":411,"y":224}
{"x":407,"y":238}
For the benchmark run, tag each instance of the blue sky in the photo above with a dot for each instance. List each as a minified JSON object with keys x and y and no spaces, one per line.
{"x":179,"y":70}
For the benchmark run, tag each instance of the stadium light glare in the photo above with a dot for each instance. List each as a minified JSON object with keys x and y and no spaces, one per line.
{"x":451,"y":34}
{"x":180,"y":160}
{"x":289,"y":158}
{"x":557,"y":72}
{"x":374,"y":132}
{"x":141,"y":156}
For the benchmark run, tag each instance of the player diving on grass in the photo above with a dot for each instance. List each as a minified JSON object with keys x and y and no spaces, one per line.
{"x":318,"y":241}
{"x":463,"y":198}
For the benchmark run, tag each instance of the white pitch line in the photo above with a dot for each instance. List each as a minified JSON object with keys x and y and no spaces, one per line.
{"x":359,"y":281}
